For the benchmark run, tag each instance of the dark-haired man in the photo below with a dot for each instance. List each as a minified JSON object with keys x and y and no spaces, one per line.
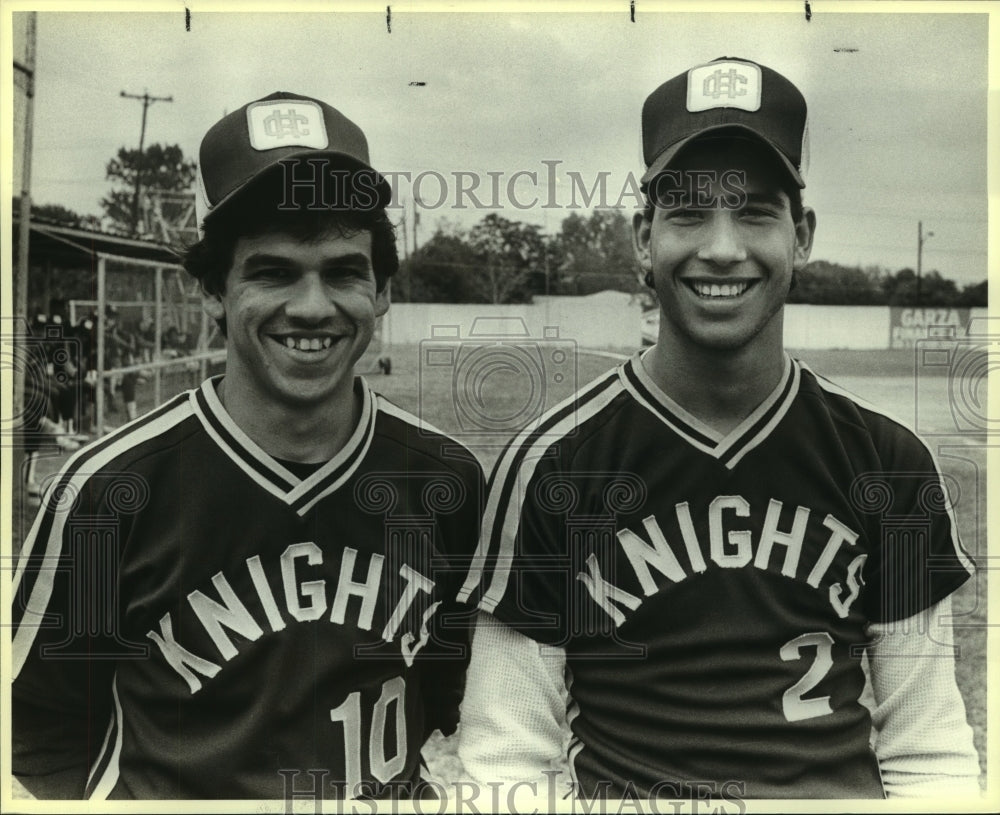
{"x":693,"y":573}
{"x":242,"y":594}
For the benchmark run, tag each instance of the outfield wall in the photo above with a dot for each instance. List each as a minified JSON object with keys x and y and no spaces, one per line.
{"x":836,"y":326}
{"x":614,"y":320}
{"x":604,"y":320}
{"x":871,"y":327}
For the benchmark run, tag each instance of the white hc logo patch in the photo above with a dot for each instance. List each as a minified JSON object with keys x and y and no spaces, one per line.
{"x":724,"y":85}
{"x":729,"y":84}
{"x":280,"y":124}
{"x":286,"y":123}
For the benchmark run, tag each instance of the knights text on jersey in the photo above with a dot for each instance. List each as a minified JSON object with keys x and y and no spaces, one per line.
{"x":194,"y":620}
{"x":713,"y":593}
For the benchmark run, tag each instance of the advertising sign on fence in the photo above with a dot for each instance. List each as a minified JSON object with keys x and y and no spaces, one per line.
{"x":907,"y":324}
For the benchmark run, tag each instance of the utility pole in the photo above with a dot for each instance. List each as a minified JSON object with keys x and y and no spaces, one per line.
{"x":146,"y":100}
{"x":404,"y":277}
{"x":921,"y":237}
{"x":416,"y":221}
{"x":25,"y":41}
{"x":406,"y":240}
{"x":545,"y":248}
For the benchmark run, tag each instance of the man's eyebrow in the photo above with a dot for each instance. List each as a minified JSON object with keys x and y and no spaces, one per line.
{"x":264,"y":259}
{"x":258,"y":259}
{"x":352,"y":259}
{"x":772,"y":198}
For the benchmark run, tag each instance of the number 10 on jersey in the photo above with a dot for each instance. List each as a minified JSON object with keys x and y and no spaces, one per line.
{"x":348,"y":713}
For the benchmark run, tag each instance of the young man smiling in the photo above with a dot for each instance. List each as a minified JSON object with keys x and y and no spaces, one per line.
{"x":692,"y":574}
{"x":243,"y":594}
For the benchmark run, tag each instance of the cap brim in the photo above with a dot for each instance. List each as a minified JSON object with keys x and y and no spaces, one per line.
{"x":663,"y":160}
{"x":377,"y":193}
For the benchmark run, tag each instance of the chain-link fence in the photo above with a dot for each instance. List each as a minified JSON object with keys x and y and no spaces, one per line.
{"x":144,"y":339}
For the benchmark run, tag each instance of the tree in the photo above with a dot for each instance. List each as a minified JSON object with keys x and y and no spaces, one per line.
{"x":440,"y":271}
{"x":825,"y":283}
{"x":159,"y":166}
{"x":497,"y":261}
{"x":934,"y":290}
{"x":974,"y":295}
{"x":598,"y":253}
{"x":63,"y":216}
{"x":511,"y":260}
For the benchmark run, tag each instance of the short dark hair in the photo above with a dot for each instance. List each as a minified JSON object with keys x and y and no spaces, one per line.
{"x":787,"y":185}
{"x":791,"y":189}
{"x":210,"y":259}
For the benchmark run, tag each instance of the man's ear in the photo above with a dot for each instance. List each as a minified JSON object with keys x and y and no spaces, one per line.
{"x":641,"y":227}
{"x":211,"y":304}
{"x":383,"y":299}
{"x":805,"y":231}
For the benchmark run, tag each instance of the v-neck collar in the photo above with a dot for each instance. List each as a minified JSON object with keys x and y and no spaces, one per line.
{"x":728,"y":448}
{"x":300,"y":494}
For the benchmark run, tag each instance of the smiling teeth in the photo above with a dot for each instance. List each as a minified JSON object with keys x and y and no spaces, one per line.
{"x":720,"y":289}
{"x":308,"y":343}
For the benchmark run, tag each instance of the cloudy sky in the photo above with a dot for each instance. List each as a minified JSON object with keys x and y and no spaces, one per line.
{"x":898,"y":105}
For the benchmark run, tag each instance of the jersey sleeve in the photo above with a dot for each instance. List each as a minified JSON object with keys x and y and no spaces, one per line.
{"x":65,"y":638}
{"x":917,"y":558}
{"x":445,"y":660}
{"x":522,"y":571}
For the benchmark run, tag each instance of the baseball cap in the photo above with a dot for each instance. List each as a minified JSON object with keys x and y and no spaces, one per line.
{"x":294,"y":133}
{"x":726,"y":94}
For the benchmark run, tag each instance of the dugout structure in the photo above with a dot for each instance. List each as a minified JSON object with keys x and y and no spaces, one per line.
{"x":147,"y":322}
{"x":76,"y":272}
{"x":135,"y":286}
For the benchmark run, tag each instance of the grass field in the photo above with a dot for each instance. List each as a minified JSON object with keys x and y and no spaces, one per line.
{"x":884,"y":378}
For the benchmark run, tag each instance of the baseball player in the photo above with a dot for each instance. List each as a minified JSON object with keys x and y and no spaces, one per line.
{"x":245,"y":593}
{"x":690,"y":561}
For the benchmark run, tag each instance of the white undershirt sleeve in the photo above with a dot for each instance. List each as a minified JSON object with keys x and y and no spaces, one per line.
{"x":514,"y":711}
{"x":923,"y":742}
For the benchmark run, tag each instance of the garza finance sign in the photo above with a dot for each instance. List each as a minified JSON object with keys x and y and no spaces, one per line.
{"x":908,"y":324}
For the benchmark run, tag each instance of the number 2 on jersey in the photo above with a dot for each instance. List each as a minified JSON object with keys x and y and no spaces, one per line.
{"x":349,"y":712}
{"x":793,"y":705}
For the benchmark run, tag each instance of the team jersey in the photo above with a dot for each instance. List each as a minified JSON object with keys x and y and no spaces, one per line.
{"x":195,"y":620}
{"x":713,"y":593}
